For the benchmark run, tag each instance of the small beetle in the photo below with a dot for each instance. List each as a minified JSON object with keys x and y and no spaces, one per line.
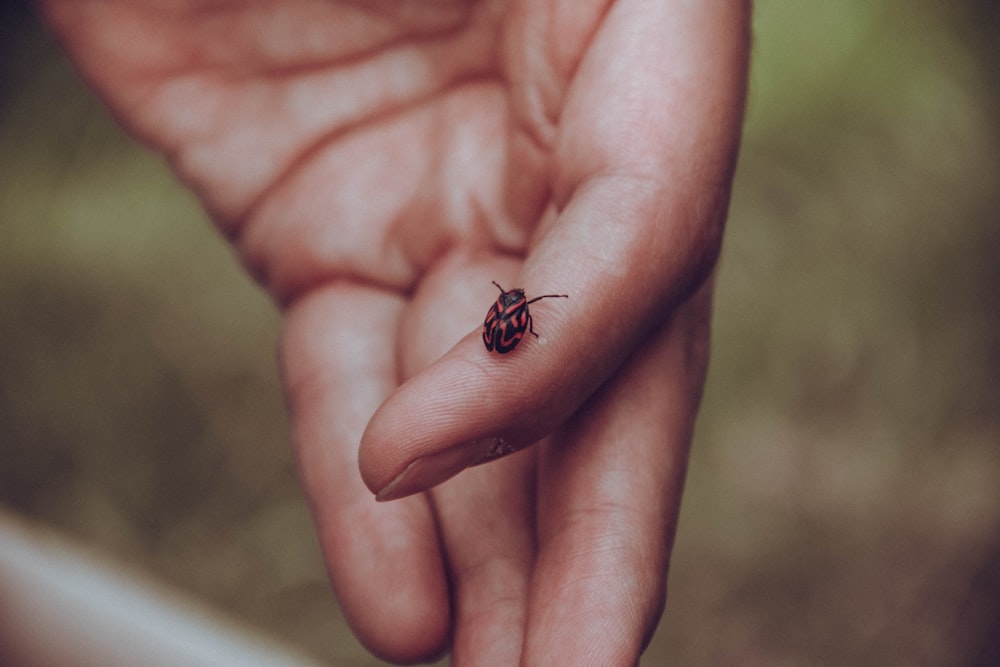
{"x":508,"y":318}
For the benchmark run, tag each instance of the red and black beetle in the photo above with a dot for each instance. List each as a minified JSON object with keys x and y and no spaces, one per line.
{"x":508,"y":318}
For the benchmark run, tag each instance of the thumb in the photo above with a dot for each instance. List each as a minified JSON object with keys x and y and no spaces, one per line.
{"x":473,"y":405}
{"x":461,"y":404}
{"x":640,"y":205}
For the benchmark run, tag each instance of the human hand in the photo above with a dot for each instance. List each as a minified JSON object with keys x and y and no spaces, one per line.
{"x":377,"y":165}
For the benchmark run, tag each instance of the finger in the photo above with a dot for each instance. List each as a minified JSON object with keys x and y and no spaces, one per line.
{"x":609,"y":493}
{"x":486,"y":520}
{"x":453,"y":295}
{"x":384,"y":561}
{"x":645,"y":195}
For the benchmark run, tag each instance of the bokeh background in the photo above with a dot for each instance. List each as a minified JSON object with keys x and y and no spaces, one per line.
{"x":843,"y":504}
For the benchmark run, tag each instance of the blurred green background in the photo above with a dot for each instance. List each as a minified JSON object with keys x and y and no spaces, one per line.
{"x":843,"y":504}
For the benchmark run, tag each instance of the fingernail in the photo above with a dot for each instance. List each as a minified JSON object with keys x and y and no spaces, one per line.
{"x":431,"y":470}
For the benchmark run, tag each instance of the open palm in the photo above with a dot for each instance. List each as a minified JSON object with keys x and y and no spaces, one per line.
{"x":377,"y":164}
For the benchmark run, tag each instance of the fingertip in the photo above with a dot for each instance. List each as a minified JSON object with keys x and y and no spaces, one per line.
{"x":407,"y":638}
{"x":426,"y":431}
{"x":429,"y":471}
{"x":453,"y":415}
{"x":389,"y":577}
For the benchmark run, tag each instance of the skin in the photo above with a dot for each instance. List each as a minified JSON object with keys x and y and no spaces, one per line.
{"x":376,"y":165}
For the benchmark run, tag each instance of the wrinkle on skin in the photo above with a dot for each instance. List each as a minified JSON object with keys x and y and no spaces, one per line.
{"x":376,"y":189}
